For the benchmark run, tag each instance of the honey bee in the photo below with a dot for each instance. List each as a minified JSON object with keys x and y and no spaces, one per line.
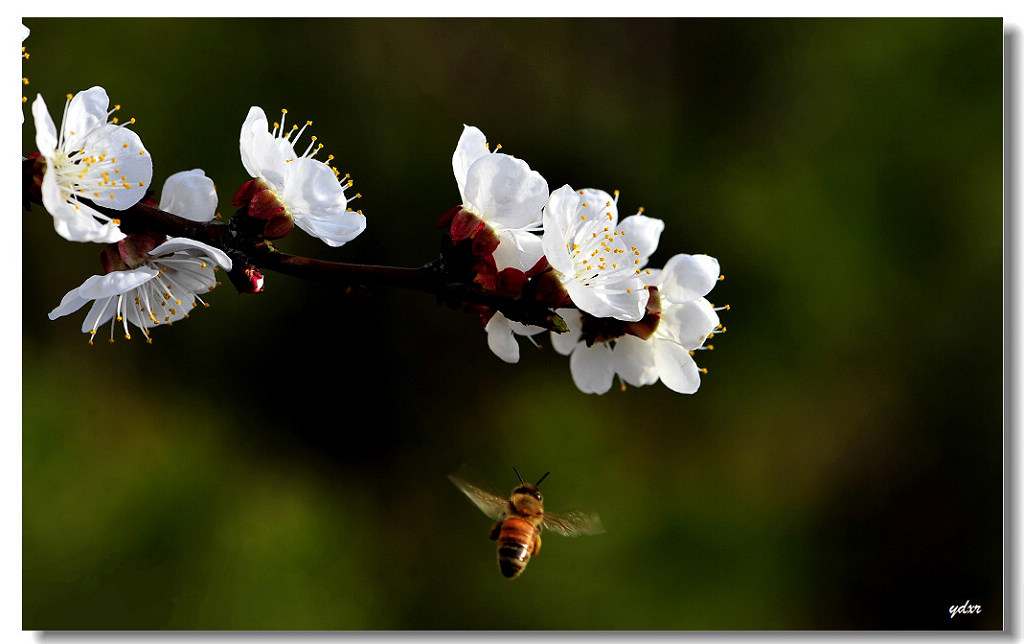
{"x":520,"y":518}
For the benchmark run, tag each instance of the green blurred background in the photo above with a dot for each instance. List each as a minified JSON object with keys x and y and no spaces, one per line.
{"x":279,"y":461}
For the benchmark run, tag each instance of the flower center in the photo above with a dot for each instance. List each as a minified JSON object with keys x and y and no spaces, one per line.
{"x":598,"y":251}
{"x":81,"y":173}
{"x":292,"y":136}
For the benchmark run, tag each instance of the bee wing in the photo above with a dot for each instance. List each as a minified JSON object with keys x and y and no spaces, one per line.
{"x":479,"y":491}
{"x":572,"y":523}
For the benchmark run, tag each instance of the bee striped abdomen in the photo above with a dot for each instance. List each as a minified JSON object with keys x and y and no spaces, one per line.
{"x":515,"y":544}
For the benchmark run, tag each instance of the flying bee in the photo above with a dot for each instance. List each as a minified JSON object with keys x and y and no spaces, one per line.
{"x":520,"y":518}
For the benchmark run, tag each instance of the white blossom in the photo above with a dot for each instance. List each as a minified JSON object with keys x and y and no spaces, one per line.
{"x":597,"y":260}
{"x":686,"y":320}
{"x":90,"y":160}
{"x":309,"y":189}
{"x":503,"y":192}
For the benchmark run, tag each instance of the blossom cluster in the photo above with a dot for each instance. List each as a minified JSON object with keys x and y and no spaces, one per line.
{"x":563,"y":252}
{"x":569,"y":249}
{"x":94,"y":167}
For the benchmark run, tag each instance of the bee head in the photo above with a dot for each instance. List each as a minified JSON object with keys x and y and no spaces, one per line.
{"x":528,"y":492}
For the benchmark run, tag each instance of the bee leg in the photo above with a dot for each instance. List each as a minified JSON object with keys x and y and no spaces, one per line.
{"x":536,"y":545}
{"x":495,"y":531}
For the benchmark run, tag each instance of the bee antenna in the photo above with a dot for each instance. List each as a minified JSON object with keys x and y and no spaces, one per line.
{"x":537,"y":484}
{"x":518,"y":474}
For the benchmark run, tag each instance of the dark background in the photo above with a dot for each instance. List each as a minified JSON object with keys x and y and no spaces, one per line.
{"x":279,"y":461}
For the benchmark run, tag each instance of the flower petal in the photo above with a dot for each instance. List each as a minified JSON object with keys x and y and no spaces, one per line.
{"x":559,"y":219}
{"x":676,"y":368}
{"x":334,"y":229}
{"x":190,"y":194}
{"x":133,"y":161}
{"x":70,"y":303}
{"x":517,"y":249}
{"x":194,"y":248}
{"x":116,"y":282}
{"x":634,"y":360}
{"x":623,"y":300}
{"x":601,"y":201}
{"x":471,"y":146}
{"x":46,"y":131}
{"x":255,"y":122}
{"x":264,"y":156}
{"x":687,"y":277}
{"x":688,"y":324}
{"x":505,"y":192}
{"x":642,"y":233}
{"x":317,"y":202}
{"x":86,"y":111}
{"x":592,"y":368}
{"x":500,"y":339}
{"x":75,"y":223}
